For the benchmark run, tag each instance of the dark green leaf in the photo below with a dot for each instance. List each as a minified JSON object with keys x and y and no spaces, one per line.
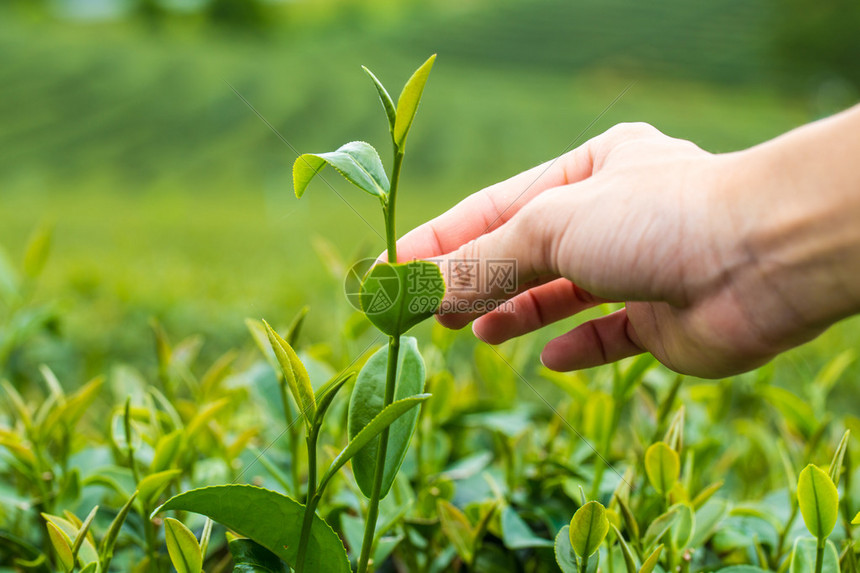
{"x":367,"y":434}
{"x":357,"y":161}
{"x":366,"y":402}
{"x":251,"y":557}
{"x":564,"y":555}
{"x":271,"y":519}
{"x":396,"y":297}
{"x":407,"y":103}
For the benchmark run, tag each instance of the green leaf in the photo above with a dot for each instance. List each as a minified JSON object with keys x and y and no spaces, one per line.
{"x":366,"y":402}
{"x":663,"y":467}
{"x":407,"y":103}
{"x":396,"y":297}
{"x":384,"y":419}
{"x":651,"y":561}
{"x":804,"y":553}
{"x":62,"y":547}
{"x":153,"y":485}
{"x":109,"y":540}
{"x":165,"y":451}
{"x":835,"y":470}
{"x":856,"y":520}
{"x":296,"y":326}
{"x":456,"y":527}
{"x":81,"y":537}
{"x":36,"y":254}
{"x":659,"y":527}
{"x":516,"y":533}
{"x":629,"y":559}
{"x":564,"y":555}
{"x":819,"y":501}
{"x":629,"y":520}
{"x":385,"y":99}
{"x":357,"y":161}
{"x":683,"y":529}
{"x":91,"y":568}
{"x":271,"y":519}
{"x":741,"y":569}
{"x":294,"y":373}
{"x":86,"y":551}
{"x":327,"y":392}
{"x":251,"y":557}
{"x":182,"y":547}
{"x":588,"y":528}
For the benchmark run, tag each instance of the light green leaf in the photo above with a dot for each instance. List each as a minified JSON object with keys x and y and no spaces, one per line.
{"x":663,"y":467}
{"x":182,"y":547}
{"x":271,"y":519}
{"x":564,"y":555}
{"x":629,"y":520}
{"x":659,"y":527}
{"x":366,"y":402}
{"x":36,"y":254}
{"x":86,"y":551}
{"x":385,"y":99}
{"x":588,"y":528}
{"x":109,"y":540}
{"x":516,"y":534}
{"x":251,"y":557}
{"x":683,"y":529}
{"x":325,"y":395}
{"x":296,"y":326}
{"x":835,"y":470}
{"x":84,"y":536}
{"x":396,"y":297}
{"x":357,"y":161}
{"x":804,"y":553}
{"x":294,"y":373}
{"x":856,"y":520}
{"x":91,"y":568}
{"x":165,"y":451}
{"x":629,"y":559}
{"x":456,"y":527}
{"x":367,"y":434}
{"x":819,"y":501}
{"x":651,"y":561}
{"x":407,"y":103}
{"x":153,"y":485}
{"x":62,"y":547}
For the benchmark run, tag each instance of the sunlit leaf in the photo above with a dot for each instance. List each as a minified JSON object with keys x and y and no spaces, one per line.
{"x":651,"y":561}
{"x":182,"y":547}
{"x":295,"y":374}
{"x":819,"y":501}
{"x":662,"y":466}
{"x":385,"y":99}
{"x":153,"y":485}
{"x":407,"y":103}
{"x":588,"y":528}
{"x":357,"y":161}
{"x":62,"y":547}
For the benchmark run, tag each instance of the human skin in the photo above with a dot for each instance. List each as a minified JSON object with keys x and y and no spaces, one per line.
{"x":722,"y":261}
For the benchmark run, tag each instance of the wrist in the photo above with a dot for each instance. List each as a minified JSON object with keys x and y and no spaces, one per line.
{"x":799,"y":206}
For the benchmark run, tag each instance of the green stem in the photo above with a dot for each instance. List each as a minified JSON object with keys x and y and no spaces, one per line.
{"x":780,"y":544}
{"x":819,"y":555}
{"x":307,"y":523}
{"x":312,"y":463}
{"x":583,"y":565}
{"x":389,"y":207}
{"x":373,"y":508}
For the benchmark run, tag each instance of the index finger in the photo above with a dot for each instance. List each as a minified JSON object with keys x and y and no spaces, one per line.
{"x":491,"y":207}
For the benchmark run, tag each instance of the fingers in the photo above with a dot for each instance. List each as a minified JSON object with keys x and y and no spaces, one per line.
{"x":490,"y":208}
{"x":600,"y":341}
{"x":534,"y":309}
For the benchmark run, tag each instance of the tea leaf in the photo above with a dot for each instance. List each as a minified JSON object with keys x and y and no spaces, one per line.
{"x":62,"y":547}
{"x":683,"y":529}
{"x":516,"y":533}
{"x":706,"y":494}
{"x":856,"y":520}
{"x":407,"y":103}
{"x":835,"y":469}
{"x":659,"y":527}
{"x":804,"y":554}
{"x":251,"y":557}
{"x":296,"y":326}
{"x":84,"y":534}
{"x":396,"y":297}
{"x":651,"y":562}
{"x":456,"y":527}
{"x":86,"y":551}
{"x":271,"y":519}
{"x":662,"y":466}
{"x":629,"y":520}
{"x":385,"y":99}
{"x":152,"y":485}
{"x":564,"y":555}
{"x":182,"y":547}
{"x":366,"y":402}
{"x":165,"y":451}
{"x":588,"y":528}
{"x":357,"y":161}
{"x":629,"y":560}
{"x":294,"y":373}
{"x":364,"y":438}
{"x":36,"y":254}
{"x":819,"y":501}
{"x":109,"y":540}
{"x":325,"y":395}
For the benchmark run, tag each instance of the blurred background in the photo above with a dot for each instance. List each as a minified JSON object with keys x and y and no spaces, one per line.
{"x":168,"y":197}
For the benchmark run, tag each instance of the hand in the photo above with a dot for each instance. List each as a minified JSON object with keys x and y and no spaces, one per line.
{"x":681,"y":236}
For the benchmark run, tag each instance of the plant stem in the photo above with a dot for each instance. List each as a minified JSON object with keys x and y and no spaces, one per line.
{"x":583,"y":564}
{"x":373,"y":508}
{"x":819,"y":555}
{"x":312,"y":463}
{"x":307,"y":523}
{"x":780,"y":544}
{"x":390,"y":233}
